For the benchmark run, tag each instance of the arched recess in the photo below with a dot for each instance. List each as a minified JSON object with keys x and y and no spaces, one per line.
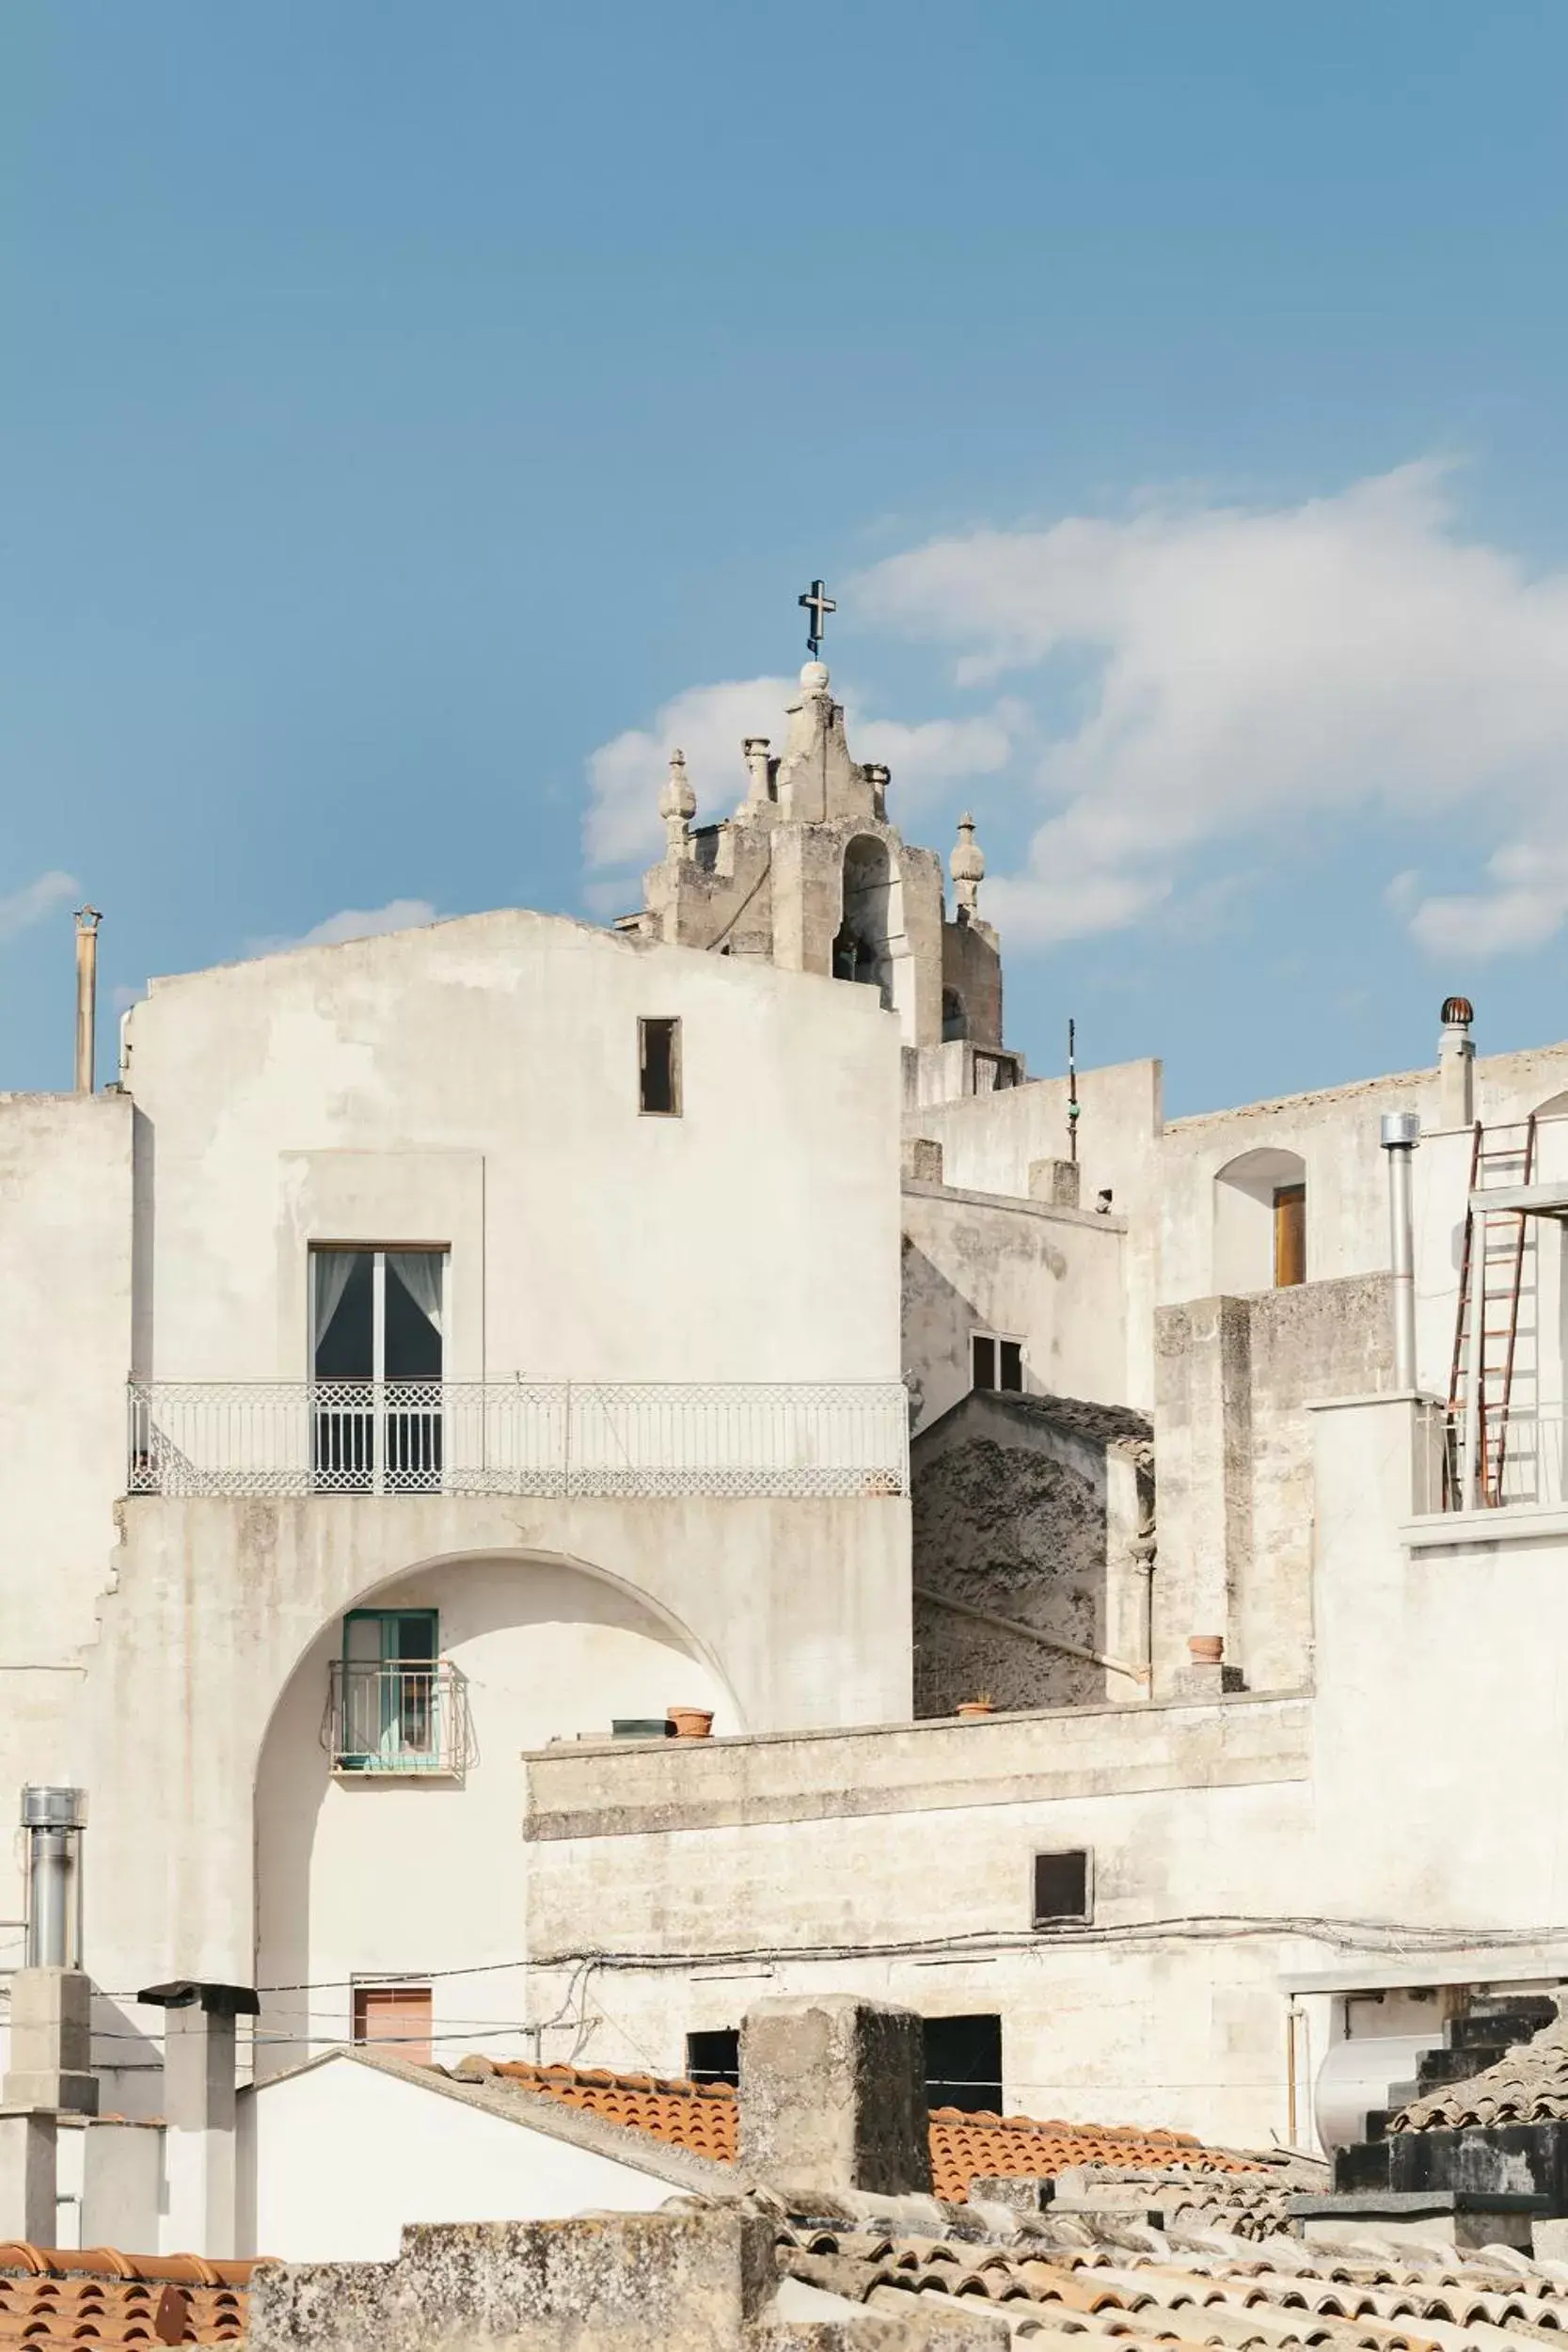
{"x":370,"y":1875}
{"x":955,"y":1019}
{"x":1261,"y":1234}
{"x":871,"y":945}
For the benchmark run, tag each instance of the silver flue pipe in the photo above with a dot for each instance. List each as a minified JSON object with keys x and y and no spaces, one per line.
{"x":1402,"y":1133}
{"x":53,"y":1820}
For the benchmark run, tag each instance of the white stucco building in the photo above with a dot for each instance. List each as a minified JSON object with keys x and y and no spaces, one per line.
{"x":435,"y":1351}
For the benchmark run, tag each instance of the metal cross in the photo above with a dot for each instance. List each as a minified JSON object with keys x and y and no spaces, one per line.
{"x":819,"y":604}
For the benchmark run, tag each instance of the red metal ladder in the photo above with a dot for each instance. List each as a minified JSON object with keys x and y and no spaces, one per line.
{"x":1499,"y":1234}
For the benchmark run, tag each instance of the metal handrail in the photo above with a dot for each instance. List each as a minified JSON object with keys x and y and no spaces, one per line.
{"x":643,"y":1438}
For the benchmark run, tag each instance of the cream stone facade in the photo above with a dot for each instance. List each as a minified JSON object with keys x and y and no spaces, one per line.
{"x":440,"y":1357}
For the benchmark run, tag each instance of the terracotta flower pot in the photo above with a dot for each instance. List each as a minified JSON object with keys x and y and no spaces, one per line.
{"x":976,"y":1707}
{"x":1208,"y":1649}
{"x":692,"y":1722}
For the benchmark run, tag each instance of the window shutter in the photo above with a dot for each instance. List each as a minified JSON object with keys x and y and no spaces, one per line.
{"x":396,"y":2015}
{"x":1290,"y":1236}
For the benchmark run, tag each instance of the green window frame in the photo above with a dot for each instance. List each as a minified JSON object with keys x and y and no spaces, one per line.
{"x":390,"y":1692}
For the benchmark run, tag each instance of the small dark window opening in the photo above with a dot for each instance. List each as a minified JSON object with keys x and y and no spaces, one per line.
{"x":997,"y":1364}
{"x":1062,"y":1888}
{"x":964,"y":2063}
{"x":715,"y":2057}
{"x":659,"y":1060}
{"x":954,"y":1020}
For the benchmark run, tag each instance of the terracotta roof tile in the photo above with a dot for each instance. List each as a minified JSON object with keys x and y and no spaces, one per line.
{"x":703,"y":2118}
{"x":53,"y":2296}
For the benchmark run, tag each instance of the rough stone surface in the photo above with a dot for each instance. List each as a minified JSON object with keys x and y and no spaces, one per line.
{"x":1010,"y":1517}
{"x":832,"y":2095}
{"x":691,"y":2280}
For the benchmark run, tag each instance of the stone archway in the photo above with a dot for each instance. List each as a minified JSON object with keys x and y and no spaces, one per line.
{"x":389,"y":1877}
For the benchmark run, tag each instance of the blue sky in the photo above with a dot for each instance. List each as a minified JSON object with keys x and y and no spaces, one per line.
{"x":410,"y":417}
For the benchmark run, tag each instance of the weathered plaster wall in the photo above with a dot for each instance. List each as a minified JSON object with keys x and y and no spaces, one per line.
{"x":544,"y":1651}
{"x":476,"y":1083}
{"x":797,"y":1609}
{"x":1233,"y":1444}
{"x":916,"y":1844}
{"x":1018,"y":1510}
{"x":1018,"y":1267}
{"x":989,"y":1142}
{"x":65,"y":1349}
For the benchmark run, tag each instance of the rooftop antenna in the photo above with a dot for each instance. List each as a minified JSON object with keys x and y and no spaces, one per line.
{"x":1072,"y":1105}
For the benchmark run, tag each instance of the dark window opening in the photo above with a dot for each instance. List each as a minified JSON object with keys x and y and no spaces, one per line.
{"x":659,"y":1055}
{"x":964,"y":2063}
{"x":955,"y":1020}
{"x":1062,"y":1888}
{"x":996,"y":1364}
{"x":714,"y":2056}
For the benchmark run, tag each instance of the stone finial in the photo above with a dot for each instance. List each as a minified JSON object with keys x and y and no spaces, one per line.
{"x":677,"y":806}
{"x":879,"y":777}
{"x":832,"y":2095}
{"x":754,"y":749}
{"x":967,"y":866}
{"x":814,"y":677}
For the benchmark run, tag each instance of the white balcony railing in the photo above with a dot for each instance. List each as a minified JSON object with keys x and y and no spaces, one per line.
{"x":517,"y":1437}
{"x":397,"y":1718}
{"x":1518,"y":1460}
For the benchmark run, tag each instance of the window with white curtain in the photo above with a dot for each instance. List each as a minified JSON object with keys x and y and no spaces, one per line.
{"x":377,"y":1357}
{"x":377,"y":1315}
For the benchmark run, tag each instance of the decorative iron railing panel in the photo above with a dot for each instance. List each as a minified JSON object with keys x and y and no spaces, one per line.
{"x":517,"y":1437}
{"x":397,"y":1718}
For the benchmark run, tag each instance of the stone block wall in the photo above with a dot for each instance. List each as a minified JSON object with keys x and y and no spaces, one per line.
{"x":1234,"y":1377}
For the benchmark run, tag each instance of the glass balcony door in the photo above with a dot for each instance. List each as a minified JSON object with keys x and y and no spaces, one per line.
{"x":377,"y":1359}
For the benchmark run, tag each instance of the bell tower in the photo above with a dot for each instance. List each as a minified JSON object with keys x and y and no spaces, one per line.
{"x":810,"y":875}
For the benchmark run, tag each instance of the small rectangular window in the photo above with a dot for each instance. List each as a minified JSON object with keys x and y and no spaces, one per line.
{"x":658,"y":1067}
{"x":1062,"y":1892}
{"x":395,"y":2017}
{"x":964,"y":2063}
{"x":996,"y":1363}
{"x":715,"y":2058}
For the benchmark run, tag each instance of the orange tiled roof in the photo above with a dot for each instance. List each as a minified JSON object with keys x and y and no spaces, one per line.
{"x":704,"y":2116}
{"x":56,"y":2296}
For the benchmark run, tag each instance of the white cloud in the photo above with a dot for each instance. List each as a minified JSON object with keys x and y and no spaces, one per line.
{"x":398,"y":914}
{"x":709,"y":723}
{"x":1257,"y":675}
{"x":34,"y":900}
{"x":1524,"y":905}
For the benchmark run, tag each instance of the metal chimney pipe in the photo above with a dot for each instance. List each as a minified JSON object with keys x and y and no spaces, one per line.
{"x":88,"y":920}
{"x":54,"y":1819}
{"x":1402,"y":1133}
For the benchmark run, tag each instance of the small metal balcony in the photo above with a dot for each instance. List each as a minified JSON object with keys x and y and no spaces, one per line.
{"x":397,"y":1721}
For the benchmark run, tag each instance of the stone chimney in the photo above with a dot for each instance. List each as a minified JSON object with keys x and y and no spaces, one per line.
{"x":832,"y":2096}
{"x":1456,"y":1065}
{"x":199,"y":2109}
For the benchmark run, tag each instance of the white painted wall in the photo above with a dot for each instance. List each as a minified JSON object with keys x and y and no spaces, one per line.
{"x":476,"y":1083}
{"x":471,"y":1084}
{"x":367,"y":1876}
{"x":1052,"y":1278}
{"x":335,"y":2160}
